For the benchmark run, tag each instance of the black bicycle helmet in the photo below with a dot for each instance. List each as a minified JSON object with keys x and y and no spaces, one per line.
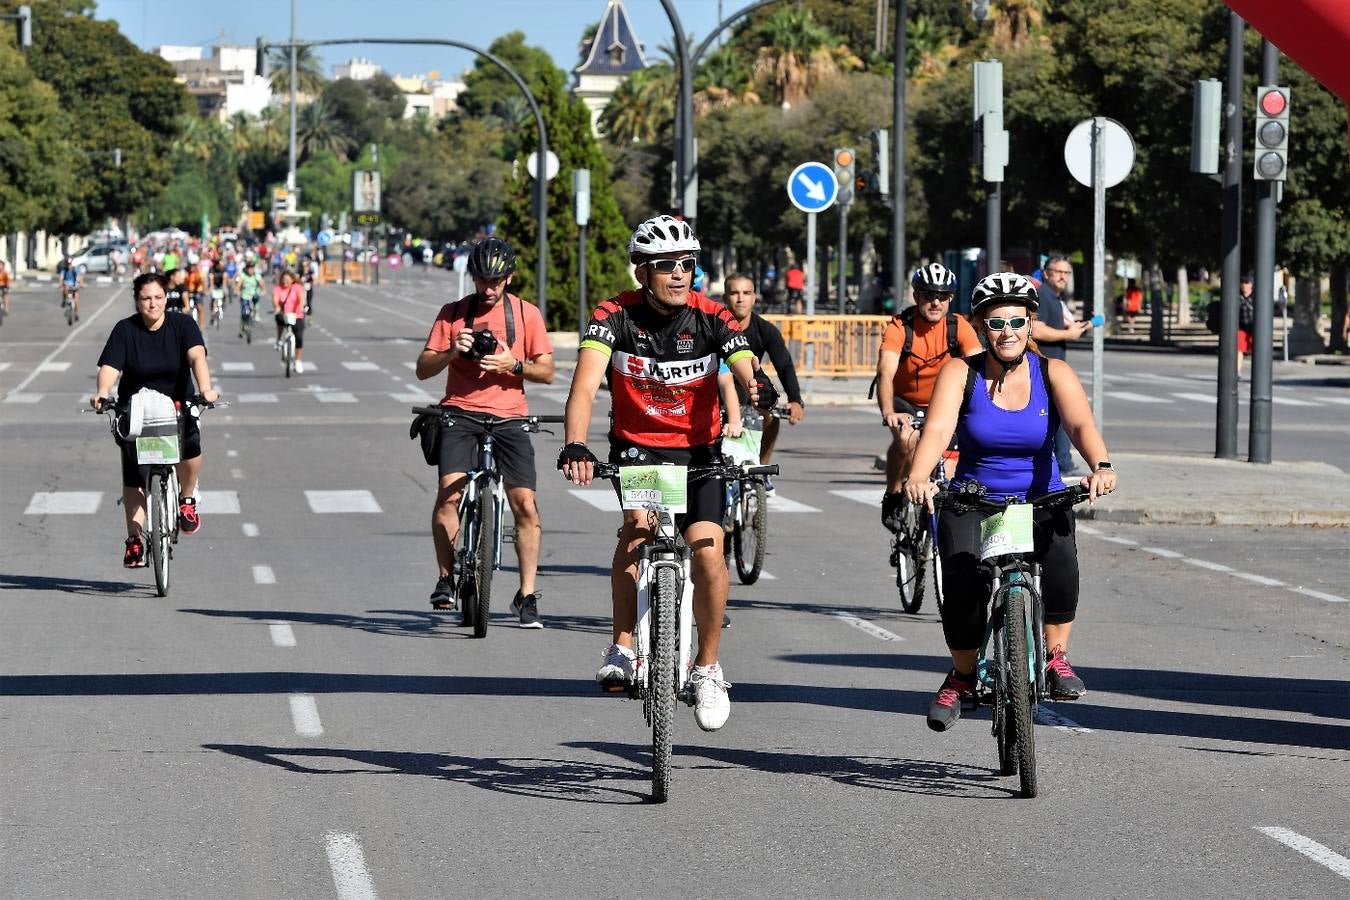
{"x":1005,"y":287}
{"x":492,"y":258}
{"x":934,"y":277}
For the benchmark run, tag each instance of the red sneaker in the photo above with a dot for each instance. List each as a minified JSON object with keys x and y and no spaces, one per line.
{"x":188,"y":520}
{"x":135,"y":553}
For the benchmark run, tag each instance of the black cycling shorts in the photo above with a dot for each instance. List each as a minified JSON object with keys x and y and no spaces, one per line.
{"x":298,"y":329}
{"x":706,"y":497}
{"x":189,"y":443}
{"x":511,"y":448}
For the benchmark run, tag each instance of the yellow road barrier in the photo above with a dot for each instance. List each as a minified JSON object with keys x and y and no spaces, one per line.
{"x":832,"y":345}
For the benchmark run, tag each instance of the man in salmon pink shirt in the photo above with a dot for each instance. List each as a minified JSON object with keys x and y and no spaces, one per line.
{"x":493,"y":385}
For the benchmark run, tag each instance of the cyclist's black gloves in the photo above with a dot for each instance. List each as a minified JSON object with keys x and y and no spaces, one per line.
{"x":575,"y":452}
{"x":767,"y":394}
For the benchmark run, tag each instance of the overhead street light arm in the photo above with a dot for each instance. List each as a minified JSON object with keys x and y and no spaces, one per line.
{"x":722,"y":26}
{"x":540,"y":183}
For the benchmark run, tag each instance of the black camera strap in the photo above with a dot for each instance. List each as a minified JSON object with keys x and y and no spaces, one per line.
{"x":471,"y":306}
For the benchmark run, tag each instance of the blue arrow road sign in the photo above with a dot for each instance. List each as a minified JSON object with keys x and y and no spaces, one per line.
{"x":812,"y":187}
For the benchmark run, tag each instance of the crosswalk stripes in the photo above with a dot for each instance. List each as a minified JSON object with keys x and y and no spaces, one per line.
{"x":4,"y":366}
{"x":418,"y":397}
{"x":56,"y":503}
{"x":779,"y":503}
{"x":54,"y":367}
{"x":1290,"y":401}
{"x":868,"y":496}
{"x":336,"y":397}
{"x":236,"y":367}
{"x":360,"y":366}
{"x":1203,"y":398}
{"x":218,"y":503}
{"x":24,"y":398}
{"x":256,"y":398}
{"x":600,"y":496}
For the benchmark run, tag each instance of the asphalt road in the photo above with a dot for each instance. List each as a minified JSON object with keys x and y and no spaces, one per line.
{"x":294,"y":721}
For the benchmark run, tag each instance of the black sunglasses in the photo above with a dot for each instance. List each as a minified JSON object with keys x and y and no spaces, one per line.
{"x":667,"y":266}
{"x":932,"y":296}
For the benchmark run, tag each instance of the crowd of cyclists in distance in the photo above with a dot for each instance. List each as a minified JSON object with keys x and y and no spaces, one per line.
{"x":994,"y":388}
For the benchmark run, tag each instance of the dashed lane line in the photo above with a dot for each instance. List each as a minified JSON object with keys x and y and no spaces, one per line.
{"x":264,"y":575}
{"x":64,"y":503}
{"x":1318,"y":853}
{"x":1047,"y":716}
{"x":1162,"y":551}
{"x":1136,"y":398}
{"x":1309,"y":592}
{"x":865,"y":626}
{"x":282,"y":635}
{"x":1206,"y":564}
{"x":351,"y":876}
{"x":305,"y":715}
{"x":250,"y":529}
{"x":60,"y":348}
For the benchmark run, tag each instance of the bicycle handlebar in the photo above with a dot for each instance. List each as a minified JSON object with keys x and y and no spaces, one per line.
{"x":527,"y":422}
{"x":720,"y":470}
{"x":109,"y":404}
{"x":973,"y":499}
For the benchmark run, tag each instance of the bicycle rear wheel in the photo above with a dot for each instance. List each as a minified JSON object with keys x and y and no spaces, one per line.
{"x":1020,"y":691}
{"x":661,"y":678}
{"x":487,"y":523}
{"x":159,"y":533}
{"x":751,"y":534}
{"x":907,"y":561}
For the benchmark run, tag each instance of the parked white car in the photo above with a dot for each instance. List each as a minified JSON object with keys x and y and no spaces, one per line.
{"x":95,"y":259}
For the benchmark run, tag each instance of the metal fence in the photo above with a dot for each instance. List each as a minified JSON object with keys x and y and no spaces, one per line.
{"x":832,"y":345}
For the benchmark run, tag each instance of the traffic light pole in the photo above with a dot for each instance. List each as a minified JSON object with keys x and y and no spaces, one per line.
{"x":899,"y":272}
{"x":993,"y":226}
{"x":1225,"y":438}
{"x":1258,"y":437}
{"x":841,"y":261}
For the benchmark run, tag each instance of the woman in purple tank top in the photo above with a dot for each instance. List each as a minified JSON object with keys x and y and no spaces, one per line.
{"x":1005,"y":424}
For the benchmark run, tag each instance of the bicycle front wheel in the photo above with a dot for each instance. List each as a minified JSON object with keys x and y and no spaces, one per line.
{"x":661,"y":675}
{"x":70,"y":312}
{"x":751,"y":534}
{"x":1020,"y":690}
{"x":156,"y":494}
{"x":905,"y":557}
{"x":487,"y":524}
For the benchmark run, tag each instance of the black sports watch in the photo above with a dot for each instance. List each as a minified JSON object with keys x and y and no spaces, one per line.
{"x":1104,"y":464}
{"x":519,"y":370}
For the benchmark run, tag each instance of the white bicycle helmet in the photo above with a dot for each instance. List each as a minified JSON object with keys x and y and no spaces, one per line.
{"x":662,"y":234}
{"x":1003,"y":287}
{"x":934,"y":277}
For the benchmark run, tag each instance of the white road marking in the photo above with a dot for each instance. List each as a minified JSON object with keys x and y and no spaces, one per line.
{"x":1290,"y":401}
{"x":64,"y":503}
{"x":342,"y":502}
{"x":1136,"y":398}
{"x":601,"y":496}
{"x":1210,"y":399}
{"x":54,"y":367}
{"x":1206,"y":564}
{"x":1308,"y":847}
{"x":1259,"y":579}
{"x":360,"y":366}
{"x":17,"y":397}
{"x":871,"y":628}
{"x":782,"y":504}
{"x":351,"y":878}
{"x":765,"y":576}
{"x":250,"y":529}
{"x":411,"y":366}
{"x":4,"y":366}
{"x":60,"y":348}
{"x":237,"y":474}
{"x":264,"y":575}
{"x":305,"y":715}
{"x":1309,"y":592}
{"x":282,"y":635}
{"x":1047,"y":716}
{"x":257,"y":398}
{"x":336,"y":397}
{"x":1088,"y":529}
{"x":553,"y":394}
{"x":231,"y":453}
{"x":1345,"y":400}
{"x":868,"y":496}
{"x":1156,"y":551}
{"x":219,"y":503}
{"x":236,"y":367}
{"x":418,"y":397}
{"x":1119,"y":540}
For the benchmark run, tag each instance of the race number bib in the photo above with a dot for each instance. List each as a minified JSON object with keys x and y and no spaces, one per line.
{"x":643,"y":486}
{"x":1007,"y":532}
{"x":161,"y":450}
{"x":743,"y":449}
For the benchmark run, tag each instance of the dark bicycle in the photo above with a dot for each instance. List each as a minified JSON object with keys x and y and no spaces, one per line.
{"x":746,"y":520}
{"x":157,"y":454}
{"x":1010,"y":670}
{"x":914,"y":544}
{"x":482,"y":506}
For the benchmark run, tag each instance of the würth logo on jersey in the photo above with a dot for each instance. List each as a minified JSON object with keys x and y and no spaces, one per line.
{"x":682,"y":372}
{"x":684,"y":343}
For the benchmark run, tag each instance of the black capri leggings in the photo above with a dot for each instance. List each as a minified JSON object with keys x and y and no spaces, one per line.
{"x":965,"y":587}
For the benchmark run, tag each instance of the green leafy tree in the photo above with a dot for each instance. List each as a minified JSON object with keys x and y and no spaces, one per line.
{"x":35,"y":159}
{"x":309,"y":78}
{"x":447,"y":186}
{"x":487,"y":85}
{"x":325,"y":183}
{"x":318,"y":130}
{"x":569,"y":129}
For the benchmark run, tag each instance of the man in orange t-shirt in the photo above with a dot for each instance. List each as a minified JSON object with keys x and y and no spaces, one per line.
{"x":905,"y":379}
{"x":492,"y":385}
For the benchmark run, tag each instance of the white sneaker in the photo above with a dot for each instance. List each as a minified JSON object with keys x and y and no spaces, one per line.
{"x":713,"y":705}
{"x":299,"y":367}
{"x":617,"y":672}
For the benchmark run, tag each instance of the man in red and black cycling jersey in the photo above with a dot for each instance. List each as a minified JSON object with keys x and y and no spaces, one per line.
{"x":659,"y":348}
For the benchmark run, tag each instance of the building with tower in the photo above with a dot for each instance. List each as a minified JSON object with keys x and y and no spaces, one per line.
{"x":612,"y":55}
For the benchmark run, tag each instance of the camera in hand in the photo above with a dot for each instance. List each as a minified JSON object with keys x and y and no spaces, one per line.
{"x":484,"y":343}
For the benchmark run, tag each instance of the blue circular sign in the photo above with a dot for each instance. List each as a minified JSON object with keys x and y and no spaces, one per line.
{"x":812,"y":187}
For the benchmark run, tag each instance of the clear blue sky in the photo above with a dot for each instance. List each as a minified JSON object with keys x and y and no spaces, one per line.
{"x":555,"y":25}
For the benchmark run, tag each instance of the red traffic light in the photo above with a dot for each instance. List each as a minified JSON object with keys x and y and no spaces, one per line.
{"x":1273,"y":103}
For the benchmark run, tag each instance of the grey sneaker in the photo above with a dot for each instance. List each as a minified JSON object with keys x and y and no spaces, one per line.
{"x":441,"y":597}
{"x":617,"y":672}
{"x":527,"y":607}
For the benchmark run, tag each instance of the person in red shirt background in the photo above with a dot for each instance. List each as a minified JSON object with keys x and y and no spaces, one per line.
{"x":493,"y":385}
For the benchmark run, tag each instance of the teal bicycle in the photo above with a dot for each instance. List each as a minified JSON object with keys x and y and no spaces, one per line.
{"x":1010,"y":670}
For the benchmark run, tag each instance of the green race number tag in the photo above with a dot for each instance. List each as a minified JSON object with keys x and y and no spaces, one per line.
{"x":743,"y":449}
{"x":152,"y":451}
{"x":1007,"y":532}
{"x":644,"y":486}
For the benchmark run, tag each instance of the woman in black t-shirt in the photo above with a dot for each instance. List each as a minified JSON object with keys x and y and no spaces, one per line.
{"x":166,"y":354}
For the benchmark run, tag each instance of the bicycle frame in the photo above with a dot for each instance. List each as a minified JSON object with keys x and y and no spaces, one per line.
{"x":486,"y":473}
{"x":666,"y":549}
{"x":1014,"y":573}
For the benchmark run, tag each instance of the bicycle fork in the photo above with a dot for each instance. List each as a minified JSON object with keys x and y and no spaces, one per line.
{"x":648,"y":568}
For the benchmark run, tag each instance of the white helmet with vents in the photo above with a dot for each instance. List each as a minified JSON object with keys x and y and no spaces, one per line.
{"x":662,"y":234}
{"x":1003,"y":287}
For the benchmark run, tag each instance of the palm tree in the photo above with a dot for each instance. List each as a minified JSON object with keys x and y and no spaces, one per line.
{"x":317,"y":130}
{"x":723,"y":80}
{"x":1015,"y":22}
{"x":790,"y":58}
{"x":309,"y":78}
{"x":641,"y":107}
{"x":929,"y":49}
